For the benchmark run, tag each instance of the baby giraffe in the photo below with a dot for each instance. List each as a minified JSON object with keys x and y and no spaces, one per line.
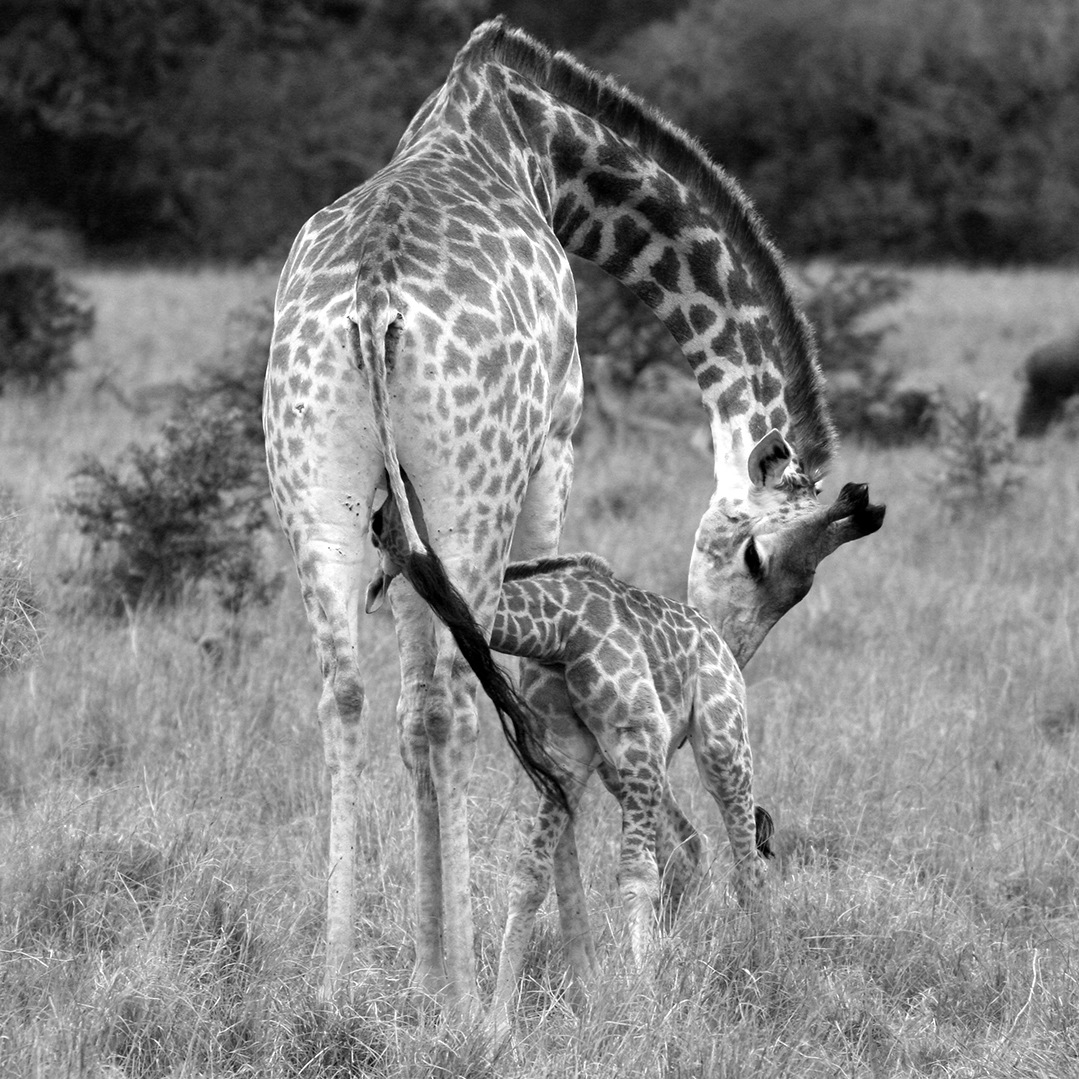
{"x":633,"y":677}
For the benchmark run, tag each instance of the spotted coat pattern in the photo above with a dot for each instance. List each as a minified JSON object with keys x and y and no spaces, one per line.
{"x":642,"y":675}
{"x":451,"y":263}
{"x":634,"y":677}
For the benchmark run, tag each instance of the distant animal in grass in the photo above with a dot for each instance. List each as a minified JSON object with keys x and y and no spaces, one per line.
{"x":1051,"y":374}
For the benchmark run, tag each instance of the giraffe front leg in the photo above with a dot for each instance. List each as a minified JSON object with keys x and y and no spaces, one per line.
{"x":580,"y":948}
{"x":571,"y":743}
{"x":726,"y":772}
{"x":725,"y":763}
{"x":528,"y":889}
{"x":530,"y":885}
{"x":550,"y":846}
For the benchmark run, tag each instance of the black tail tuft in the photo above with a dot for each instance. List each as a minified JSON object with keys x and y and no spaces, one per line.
{"x":425,"y":572}
{"x":765,"y":830}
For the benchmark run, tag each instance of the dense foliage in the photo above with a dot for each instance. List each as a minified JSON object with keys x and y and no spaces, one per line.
{"x":189,"y":508}
{"x":866,"y":127}
{"x":215,"y":127}
{"x":42,"y":316}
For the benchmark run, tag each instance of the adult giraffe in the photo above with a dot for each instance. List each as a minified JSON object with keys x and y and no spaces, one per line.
{"x":426,"y":322}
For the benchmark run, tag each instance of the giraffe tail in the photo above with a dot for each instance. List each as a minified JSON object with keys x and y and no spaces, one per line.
{"x":375,"y":345}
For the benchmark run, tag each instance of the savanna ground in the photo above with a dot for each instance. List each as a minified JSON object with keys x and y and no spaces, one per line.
{"x":916,"y":733}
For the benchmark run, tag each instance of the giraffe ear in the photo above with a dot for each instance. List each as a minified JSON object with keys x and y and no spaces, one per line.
{"x":376,"y":592}
{"x":768,"y":460}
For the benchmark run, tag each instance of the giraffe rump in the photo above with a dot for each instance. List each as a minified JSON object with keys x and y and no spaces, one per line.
{"x":680,"y":154}
{"x":422,"y":567}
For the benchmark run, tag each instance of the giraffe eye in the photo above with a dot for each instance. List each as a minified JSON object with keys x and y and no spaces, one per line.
{"x":753,"y":559}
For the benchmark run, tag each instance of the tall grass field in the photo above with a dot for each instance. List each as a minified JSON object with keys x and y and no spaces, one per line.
{"x":915,"y":724}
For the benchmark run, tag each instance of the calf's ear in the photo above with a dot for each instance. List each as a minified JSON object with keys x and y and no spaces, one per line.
{"x":376,"y":592}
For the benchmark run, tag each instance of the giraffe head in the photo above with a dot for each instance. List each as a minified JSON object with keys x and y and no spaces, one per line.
{"x":756,"y":552}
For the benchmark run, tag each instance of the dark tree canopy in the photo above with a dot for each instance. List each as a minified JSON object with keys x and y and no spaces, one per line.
{"x":214,"y":128}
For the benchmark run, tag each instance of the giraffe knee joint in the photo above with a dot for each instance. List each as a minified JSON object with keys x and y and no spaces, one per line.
{"x":349,"y":695}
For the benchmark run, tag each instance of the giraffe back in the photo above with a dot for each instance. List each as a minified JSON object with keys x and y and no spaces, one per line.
{"x":558,"y":610}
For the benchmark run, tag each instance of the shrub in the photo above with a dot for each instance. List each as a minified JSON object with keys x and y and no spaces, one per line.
{"x":29,"y":238}
{"x":867,"y":398}
{"x":236,"y":385}
{"x":981,"y":470}
{"x":193,"y":507}
{"x":620,"y":339}
{"x":19,"y":612}
{"x":42,"y":315}
{"x":838,"y":304}
{"x":188,"y":509}
{"x":870,"y":399}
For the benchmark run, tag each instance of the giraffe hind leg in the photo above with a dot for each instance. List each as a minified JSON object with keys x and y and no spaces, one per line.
{"x":550,"y":848}
{"x":678,"y":845}
{"x":638,"y":873}
{"x":413,"y":625}
{"x":342,"y":717}
{"x":678,"y":852}
{"x":438,"y":729}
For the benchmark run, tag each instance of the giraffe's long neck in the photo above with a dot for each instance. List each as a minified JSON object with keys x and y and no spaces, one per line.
{"x":623,"y":188}
{"x":619,"y":209}
{"x":657,"y":240}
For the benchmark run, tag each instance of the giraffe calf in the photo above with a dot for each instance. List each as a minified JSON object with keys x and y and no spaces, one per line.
{"x":626,"y":677}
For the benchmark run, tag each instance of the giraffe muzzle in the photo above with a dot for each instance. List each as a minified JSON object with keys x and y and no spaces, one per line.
{"x":851,"y":516}
{"x":853,"y":505}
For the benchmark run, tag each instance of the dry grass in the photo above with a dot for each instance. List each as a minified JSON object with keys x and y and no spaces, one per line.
{"x":916,"y":734}
{"x":19,"y":635}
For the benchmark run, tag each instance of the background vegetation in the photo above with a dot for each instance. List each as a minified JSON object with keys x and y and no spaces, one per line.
{"x":915,"y":721}
{"x":923,"y":128}
{"x":915,"y":726}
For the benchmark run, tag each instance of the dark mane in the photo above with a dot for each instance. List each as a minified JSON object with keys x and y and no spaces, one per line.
{"x":620,"y":110}
{"x":519,"y":571}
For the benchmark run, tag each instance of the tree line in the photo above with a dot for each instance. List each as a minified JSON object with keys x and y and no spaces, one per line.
{"x":904,"y":129}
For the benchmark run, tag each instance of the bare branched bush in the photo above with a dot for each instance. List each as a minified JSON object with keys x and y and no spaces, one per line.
{"x":981,"y":470}
{"x":42,"y":316}
{"x":20,"y":615}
